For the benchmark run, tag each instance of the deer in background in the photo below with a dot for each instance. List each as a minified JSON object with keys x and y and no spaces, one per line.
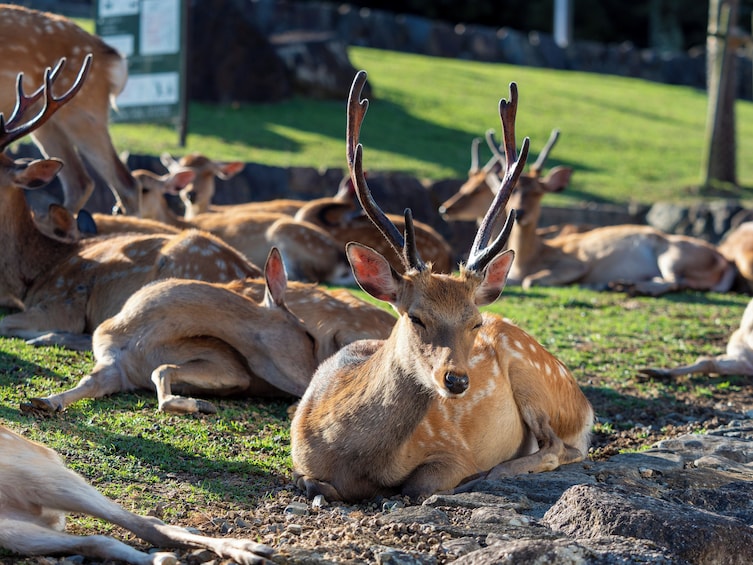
{"x":309,"y":252}
{"x":639,"y":259}
{"x":38,"y":490}
{"x":32,"y":41}
{"x":738,"y":359}
{"x":70,"y":288}
{"x":237,"y":338}
{"x":341,"y":216}
{"x":156,"y":216}
{"x":473,"y":199}
{"x":452,"y":393}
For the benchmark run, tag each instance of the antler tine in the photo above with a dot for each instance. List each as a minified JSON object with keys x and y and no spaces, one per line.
{"x":474,"y":154}
{"x":8,"y":133}
{"x":480,"y":253}
{"x":23,"y":101}
{"x":410,"y":249}
{"x":356,"y":112}
{"x":539,"y":164}
{"x":497,"y":156}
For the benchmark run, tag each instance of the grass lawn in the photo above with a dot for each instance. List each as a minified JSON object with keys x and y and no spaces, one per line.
{"x":627,"y":139}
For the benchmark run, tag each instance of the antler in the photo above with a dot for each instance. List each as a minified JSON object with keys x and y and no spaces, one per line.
{"x":404,"y":247}
{"x":539,"y":164}
{"x":480,"y":253}
{"x":10,"y":131}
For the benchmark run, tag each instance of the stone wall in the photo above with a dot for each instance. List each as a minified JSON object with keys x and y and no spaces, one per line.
{"x":399,"y":32}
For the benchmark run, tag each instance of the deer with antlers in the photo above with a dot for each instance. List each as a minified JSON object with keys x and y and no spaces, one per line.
{"x":451,"y":393}
{"x":33,"y":40}
{"x":737,"y":360}
{"x":213,"y":339}
{"x":37,"y":490}
{"x":473,"y":199}
{"x":341,"y":216}
{"x":70,"y":288}
{"x":639,"y":259}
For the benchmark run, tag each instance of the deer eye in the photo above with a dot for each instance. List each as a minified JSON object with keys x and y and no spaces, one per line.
{"x":478,"y":325}
{"x":416,"y":320}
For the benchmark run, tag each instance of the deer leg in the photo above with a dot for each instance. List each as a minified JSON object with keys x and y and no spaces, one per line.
{"x":162,"y":377}
{"x":103,"y":380}
{"x":313,"y":487}
{"x":28,"y":538}
{"x":68,"y":340}
{"x":717,"y":366}
{"x":96,"y":147}
{"x":437,"y":476}
{"x":552,"y":453}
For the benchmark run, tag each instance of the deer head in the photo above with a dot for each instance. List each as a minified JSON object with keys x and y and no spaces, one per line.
{"x":438,"y":314}
{"x":474,"y":197}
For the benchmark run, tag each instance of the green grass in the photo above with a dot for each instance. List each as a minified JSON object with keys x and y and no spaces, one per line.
{"x":628,"y":140}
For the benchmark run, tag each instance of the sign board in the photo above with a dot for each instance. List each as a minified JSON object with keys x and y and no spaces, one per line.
{"x":151,"y":34}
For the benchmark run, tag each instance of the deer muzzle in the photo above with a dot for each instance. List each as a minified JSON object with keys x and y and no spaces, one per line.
{"x":456,"y":383}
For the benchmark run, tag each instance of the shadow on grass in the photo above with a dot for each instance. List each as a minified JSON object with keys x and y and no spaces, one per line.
{"x":94,"y":423}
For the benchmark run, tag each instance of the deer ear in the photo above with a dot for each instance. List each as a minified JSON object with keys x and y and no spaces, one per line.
{"x":494,"y":278}
{"x":38,"y":173}
{"x":179,"y":180}
{"x":558,"y":179}
{"x":276,"y":279}
{"x":372,"y":272}
{"x":228,"y":170}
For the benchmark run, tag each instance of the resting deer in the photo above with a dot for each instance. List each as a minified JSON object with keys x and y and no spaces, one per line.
{"x":155,"y":216}
{"x":192,"y":337}
{"x":342,"y":218}
{"x":451,"y":393}
{"x":70,"y":288}
{"x":197,"y":197}
{"x":473,"y":199}
{"x":37,"y":490}
{"x":34,"y":40}
{"x":738,"y":360}
{"x":249,"y":344}
{"x":640,"y":259}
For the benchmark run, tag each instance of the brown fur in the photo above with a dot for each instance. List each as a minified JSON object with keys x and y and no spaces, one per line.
{"x":34,"y":41}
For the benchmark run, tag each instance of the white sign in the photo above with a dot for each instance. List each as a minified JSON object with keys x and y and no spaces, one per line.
{"x":150,"y":89}
{"x":160,"y":27}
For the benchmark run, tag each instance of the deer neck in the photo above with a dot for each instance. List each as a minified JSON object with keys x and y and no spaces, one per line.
{"x":525,"y":242}
{"x":29,"y":253}
{"x":396,"y":399}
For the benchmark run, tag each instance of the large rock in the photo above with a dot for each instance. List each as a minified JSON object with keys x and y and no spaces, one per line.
{"x":230,"y":59}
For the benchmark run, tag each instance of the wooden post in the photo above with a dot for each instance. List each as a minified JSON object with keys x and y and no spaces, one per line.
{"x":719,"y":158}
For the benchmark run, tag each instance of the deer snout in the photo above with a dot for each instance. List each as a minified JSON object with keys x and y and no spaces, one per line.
{"x":456,"y":383}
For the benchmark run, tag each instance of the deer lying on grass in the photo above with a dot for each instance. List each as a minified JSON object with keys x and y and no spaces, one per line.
{"x":473,"y":199}
{"x":451,"y":393}
{"x":310,"y":254}
{"x":738,"y":360}
{"x":34,"y":40}
{"x":37,"y":490}
{"x":156,"y":216}
{"x":640,"y":259}
{"x":190,"y":337}
{"x":341,"y":216}
{"x":197,"y":197}
{"x":70,"y":288}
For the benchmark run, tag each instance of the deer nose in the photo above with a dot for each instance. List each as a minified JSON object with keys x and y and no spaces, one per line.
{"x":455,"y":383}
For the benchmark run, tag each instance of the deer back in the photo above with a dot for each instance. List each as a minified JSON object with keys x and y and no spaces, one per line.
{"x":37,"y":40}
